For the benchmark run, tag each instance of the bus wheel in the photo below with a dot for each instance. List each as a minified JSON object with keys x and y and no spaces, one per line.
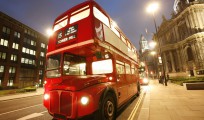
{"x":107,"y":110}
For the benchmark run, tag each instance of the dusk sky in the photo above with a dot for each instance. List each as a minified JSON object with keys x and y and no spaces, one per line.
{"x":130,"y":15}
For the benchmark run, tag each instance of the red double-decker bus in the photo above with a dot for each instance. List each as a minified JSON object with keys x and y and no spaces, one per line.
{"x":92,"y":67}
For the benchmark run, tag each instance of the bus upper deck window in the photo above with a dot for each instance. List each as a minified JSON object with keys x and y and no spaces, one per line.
{"x":61,"y":23}
{"x":79,"y":16}
{"x":99,"y":15}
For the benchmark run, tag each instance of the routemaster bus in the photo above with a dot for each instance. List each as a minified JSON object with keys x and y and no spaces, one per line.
{"x":91,"y":66}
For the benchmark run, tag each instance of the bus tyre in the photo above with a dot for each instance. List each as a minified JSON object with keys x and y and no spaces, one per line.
{"x":107,"y":110}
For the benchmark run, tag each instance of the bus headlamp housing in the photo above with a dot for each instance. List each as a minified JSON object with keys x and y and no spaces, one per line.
{"x":84,"y":100}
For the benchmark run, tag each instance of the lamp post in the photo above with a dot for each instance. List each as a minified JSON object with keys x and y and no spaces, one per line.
{"x":152,"y":8}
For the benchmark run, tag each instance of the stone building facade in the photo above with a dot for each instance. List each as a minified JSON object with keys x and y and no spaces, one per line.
{"x":181,"y":39}
{"x":22,"y":54}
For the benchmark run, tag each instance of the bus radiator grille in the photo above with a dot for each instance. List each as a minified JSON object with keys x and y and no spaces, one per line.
{"x":61,"y":102}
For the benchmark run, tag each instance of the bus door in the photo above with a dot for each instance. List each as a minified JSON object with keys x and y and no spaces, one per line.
{"x":121,"y":82}
{"x":129,"y":79}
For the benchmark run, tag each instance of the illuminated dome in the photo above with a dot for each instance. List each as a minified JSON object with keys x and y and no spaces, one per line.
{"x":180,"y":5}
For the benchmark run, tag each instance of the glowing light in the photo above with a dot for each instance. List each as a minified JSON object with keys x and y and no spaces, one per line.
{"x":153,"y":53}
{"x":152,"y":44}
{"x":45,"y":82}
{"x":110,"y":78}
{"x":152,"y":7}
{"x":84,"y":100}
{"x":145,"y":80}
{"x":49,"y":32}
{"x":46,"y":96}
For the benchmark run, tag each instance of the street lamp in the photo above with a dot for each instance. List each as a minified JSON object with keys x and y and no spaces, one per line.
{"x":49,"y":32}
{"x":152,"y":8}
{"x":152,"y":44}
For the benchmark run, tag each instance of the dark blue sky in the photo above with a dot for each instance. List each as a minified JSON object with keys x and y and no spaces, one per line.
{"x":130,"y":15}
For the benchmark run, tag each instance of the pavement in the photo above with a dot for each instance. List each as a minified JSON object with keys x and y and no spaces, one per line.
{"x":39,"y":91}
{"x":172,"y":102}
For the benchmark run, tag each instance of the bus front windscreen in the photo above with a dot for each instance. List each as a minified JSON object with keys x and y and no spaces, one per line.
{"x":74,"y":65}
{"x":53,"y":66}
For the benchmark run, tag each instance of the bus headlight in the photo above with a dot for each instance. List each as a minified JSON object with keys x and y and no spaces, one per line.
{"x":46,"y":96}
{"x":145,"y":80}
{"x":84,"y":100}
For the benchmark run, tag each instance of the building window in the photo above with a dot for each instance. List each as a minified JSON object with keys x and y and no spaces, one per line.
{"x":6,"y":30}
{"x":25,"y":31}
{"x":42,"y":45}
{"x":1,"y":69}
{"x":30,"y":62}
{"x":40,"y":72}
{"x":28,"y":51}
{"x":13,"y":57}
{"x":33,"y":43}
{"x":4,"y":42}
{"x":26,"y":61}
{"x":41,"y":62}
{"x":29,"y":41}
{"x":190,"y":54}
{"x":42,"y":54}
{"x":17,"y":34}
{"x":12,"y":70}
{"x":15,"y":46}
{"x":22,"y":60}
{"x":10,"y":81}
{"x":2,"y":55}
{"x":23,"y":49}
{"x":33,"y":62}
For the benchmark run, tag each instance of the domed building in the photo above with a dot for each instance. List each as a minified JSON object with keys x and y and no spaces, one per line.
{"x":182,"y":39}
